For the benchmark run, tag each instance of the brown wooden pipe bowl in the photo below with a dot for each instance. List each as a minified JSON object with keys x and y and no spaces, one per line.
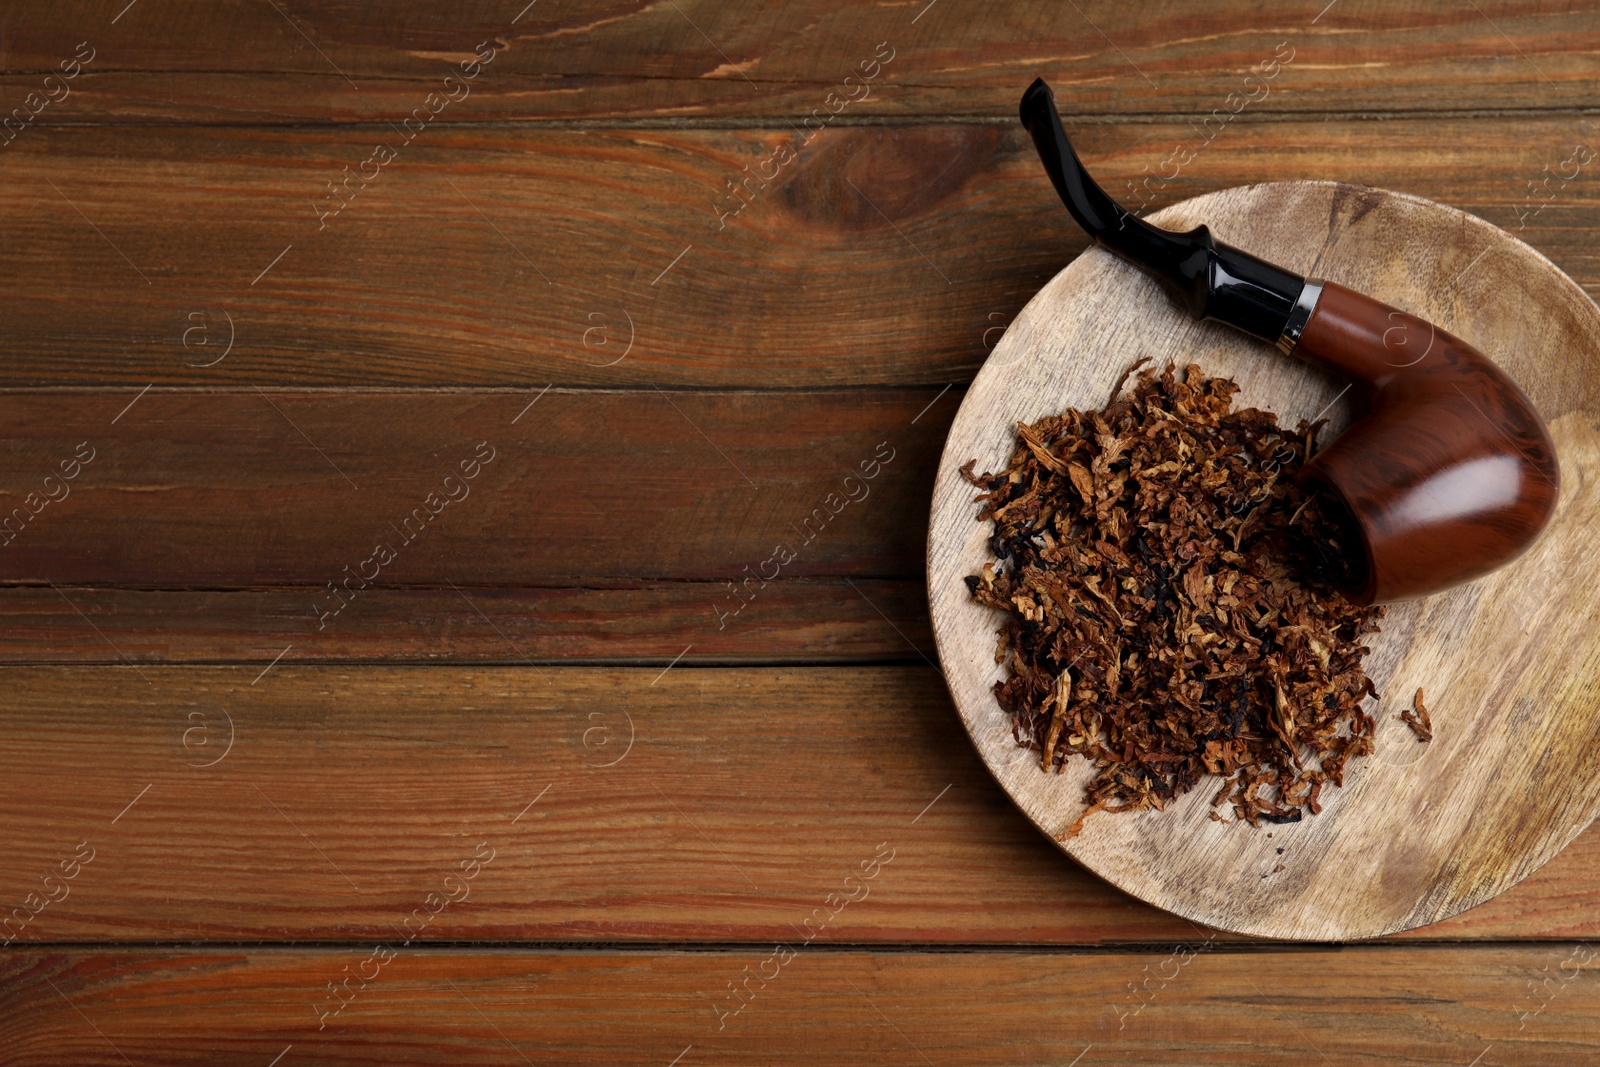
{"x":1448,"y":472}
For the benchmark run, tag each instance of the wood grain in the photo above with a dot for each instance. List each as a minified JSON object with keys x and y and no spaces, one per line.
{"x":390,"y":776}
{"x":1512,"y":773}
{"x":517,"y":257}
{"x":253,"y":488}
{"x":596,"y":149}
{"x":801,"y":621}
{"x":462,"y":1006}
{"x":321,"y":60}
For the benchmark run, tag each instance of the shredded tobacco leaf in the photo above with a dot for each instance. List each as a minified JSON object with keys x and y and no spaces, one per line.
{"x":1416,"y":717}
{"x":1171,"y":607}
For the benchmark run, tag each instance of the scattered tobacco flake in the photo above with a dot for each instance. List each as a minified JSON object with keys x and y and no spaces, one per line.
{"x":1416,"y":717}
{"x":1169,"y":588}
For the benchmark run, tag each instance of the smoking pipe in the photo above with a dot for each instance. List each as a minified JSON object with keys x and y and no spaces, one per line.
{"x":1447,"y":472}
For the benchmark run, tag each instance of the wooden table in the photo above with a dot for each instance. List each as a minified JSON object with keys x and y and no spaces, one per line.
{"x":401,"y":664}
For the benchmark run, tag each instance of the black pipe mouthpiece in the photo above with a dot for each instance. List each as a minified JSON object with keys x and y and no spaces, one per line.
{"x":1211,"y":279}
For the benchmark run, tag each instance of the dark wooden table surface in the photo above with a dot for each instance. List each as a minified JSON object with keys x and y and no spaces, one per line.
{"x":403,"y":404}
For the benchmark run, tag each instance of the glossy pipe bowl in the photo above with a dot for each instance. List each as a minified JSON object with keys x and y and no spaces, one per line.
{"x":1448,"y":472}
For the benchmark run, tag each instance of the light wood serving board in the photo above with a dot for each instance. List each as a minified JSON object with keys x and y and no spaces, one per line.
{"x":1509,"y":663}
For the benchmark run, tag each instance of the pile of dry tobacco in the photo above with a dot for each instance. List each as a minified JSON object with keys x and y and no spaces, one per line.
{"x":1171,"y":607}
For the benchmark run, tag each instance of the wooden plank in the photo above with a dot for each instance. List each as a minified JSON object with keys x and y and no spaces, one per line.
{"x":800,"y":621}
{"x":1374,"y":1006}
{"x":321,"y":60}
{"x":206,"y":490}
{"x":696,"y":805}
{"x":604,"y":257}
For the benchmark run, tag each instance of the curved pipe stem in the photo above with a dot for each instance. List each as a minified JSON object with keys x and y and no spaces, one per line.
{"x":1211,"y":279}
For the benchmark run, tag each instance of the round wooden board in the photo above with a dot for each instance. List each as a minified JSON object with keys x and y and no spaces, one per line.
{"x":1509,"y":663}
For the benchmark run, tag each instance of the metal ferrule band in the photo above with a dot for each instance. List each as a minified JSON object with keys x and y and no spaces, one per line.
{"x":1300,"y":314}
